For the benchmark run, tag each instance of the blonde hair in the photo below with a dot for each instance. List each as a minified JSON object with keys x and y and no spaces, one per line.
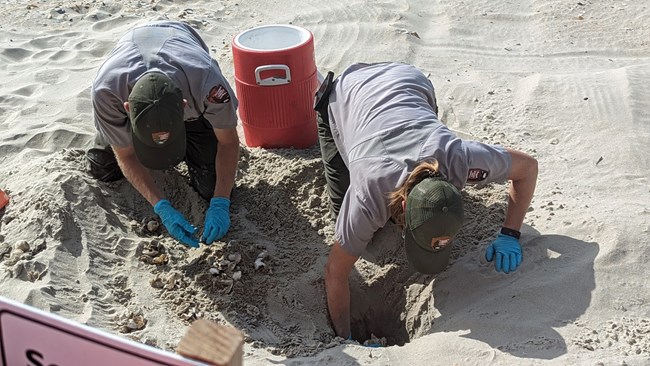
{"x":425,"y":169}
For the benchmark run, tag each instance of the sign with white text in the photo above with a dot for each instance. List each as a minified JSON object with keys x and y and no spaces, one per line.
{"x":31,"y":337}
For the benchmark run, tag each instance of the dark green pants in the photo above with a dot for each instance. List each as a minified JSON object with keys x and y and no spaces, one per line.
{"x":337,"y":174}
{"x":200,"y":157}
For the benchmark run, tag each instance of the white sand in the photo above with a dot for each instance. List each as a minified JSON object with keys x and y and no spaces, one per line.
{"x":567,"y":81}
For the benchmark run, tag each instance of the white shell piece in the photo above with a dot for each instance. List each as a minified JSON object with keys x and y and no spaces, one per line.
{"x":236,"y":258}
{"x":132,"y":325}
{"x":152,"y":226}
{"x":22,"y":245}
{"x":150,"y":252}
{"x":259,"y":264}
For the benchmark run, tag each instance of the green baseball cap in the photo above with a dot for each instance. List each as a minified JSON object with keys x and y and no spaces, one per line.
{"x":434,"y":208}
{"x":157,"y":121}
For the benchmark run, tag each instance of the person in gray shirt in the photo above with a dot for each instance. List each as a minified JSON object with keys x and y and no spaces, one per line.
{"x":158,"y":99}
{"x":388,"y":157}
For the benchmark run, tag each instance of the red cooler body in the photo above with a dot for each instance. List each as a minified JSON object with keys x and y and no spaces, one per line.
{"x":275,"y":80}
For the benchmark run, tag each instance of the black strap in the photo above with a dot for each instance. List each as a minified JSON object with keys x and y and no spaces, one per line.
{"x":510,"y":232}
{"x":323,"y":92}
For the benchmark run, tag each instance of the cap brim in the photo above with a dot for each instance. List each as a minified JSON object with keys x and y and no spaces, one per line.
{"x":426,"y":261}
{"x":160,"y":158}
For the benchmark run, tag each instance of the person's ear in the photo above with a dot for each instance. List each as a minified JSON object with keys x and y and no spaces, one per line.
{"x":127,"y":107}
{"x":404,"y":206}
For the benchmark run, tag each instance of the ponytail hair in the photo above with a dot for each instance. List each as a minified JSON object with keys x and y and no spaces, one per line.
{"x":425,"y":169}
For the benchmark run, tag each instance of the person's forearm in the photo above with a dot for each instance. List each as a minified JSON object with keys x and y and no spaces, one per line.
{"x":140,"y":178}
{"x":226,"y":166}
{"x":338,"y":303}
{"x":519,"y":198}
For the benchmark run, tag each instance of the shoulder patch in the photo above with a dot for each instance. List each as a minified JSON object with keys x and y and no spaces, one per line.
{"x":218,"y":94}
{"x":477,"y":175}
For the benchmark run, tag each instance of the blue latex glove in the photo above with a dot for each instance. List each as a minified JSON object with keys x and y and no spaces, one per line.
{"x":508,"y":253}
{"x":176,"y":224}
{"x":217,"y":220}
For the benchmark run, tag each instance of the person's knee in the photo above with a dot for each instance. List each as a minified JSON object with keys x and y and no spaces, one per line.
{"x":206,"y":194}
{"x":203,"y":182}
{"x":102,"y":165}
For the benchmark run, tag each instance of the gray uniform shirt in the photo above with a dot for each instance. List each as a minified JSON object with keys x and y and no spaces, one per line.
{"x":383,"y":123}
{"x":174,"y":49}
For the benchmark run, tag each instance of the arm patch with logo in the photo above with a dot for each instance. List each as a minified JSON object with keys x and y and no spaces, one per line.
{"x":476,"y":175}
{"x":218,"y":94}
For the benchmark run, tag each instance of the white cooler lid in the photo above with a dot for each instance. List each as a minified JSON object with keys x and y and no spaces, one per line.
{"x":272,"y":37}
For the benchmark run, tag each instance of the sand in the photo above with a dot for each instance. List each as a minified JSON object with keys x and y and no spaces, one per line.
{"x":564,"y":81}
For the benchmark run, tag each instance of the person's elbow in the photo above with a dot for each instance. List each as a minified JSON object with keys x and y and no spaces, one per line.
{"x":227,"y":137}
{"x":524,"y":167}
{"x":532,"y":166}
{"x":124,"y":153}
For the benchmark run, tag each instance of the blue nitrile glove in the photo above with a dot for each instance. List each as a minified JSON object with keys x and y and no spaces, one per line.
{"x":508,"y":253}
{"x":217,"y":220}
{"x":176,"y":224}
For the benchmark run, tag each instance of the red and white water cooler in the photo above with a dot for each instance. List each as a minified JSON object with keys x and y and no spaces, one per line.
{"x":275,"y":80}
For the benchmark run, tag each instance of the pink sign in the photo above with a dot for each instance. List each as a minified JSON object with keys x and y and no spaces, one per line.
{"x":32,"y":337}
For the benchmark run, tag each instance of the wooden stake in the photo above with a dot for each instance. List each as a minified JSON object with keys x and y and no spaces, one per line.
{"x":212,"y":343}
